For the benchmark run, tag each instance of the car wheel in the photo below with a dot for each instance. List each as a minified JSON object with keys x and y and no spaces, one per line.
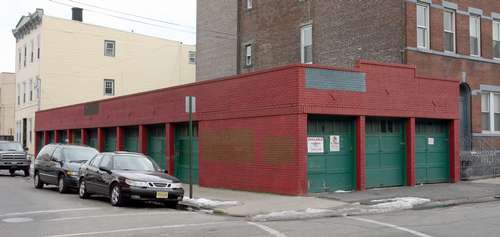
{"x":171,"y":204}
{"x":115,"y":197}
{"x":61,"y":186}
{"x":82,"y":190}
{"x":26,"y":172}
{"x":37,"y":182}
{"x":12,"y":172}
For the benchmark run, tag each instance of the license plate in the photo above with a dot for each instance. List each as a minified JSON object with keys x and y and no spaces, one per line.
{"x":162,"y":195}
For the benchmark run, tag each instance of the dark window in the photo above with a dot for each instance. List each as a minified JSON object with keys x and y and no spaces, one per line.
{"x":109,"y":87}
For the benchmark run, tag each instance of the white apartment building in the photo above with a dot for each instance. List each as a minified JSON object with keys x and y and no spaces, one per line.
{"x":61,"y":62}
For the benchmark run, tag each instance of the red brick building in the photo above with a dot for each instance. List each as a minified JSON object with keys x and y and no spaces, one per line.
{"x":290,"y":130}
{"x":459,"y":39}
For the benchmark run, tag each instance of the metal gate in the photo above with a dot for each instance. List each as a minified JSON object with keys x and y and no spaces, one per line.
{"x":330,"y":162}
{"x":51,"y":137}
{"x":131,"y":139}
{"x":76,"y":136}
{"x":63,"y":136}
{"x":181,"y":153}
{"x":385,"y":153}
{"x":432,"y":159}
{"x":156,"y":144}
{"x":110,"y":139}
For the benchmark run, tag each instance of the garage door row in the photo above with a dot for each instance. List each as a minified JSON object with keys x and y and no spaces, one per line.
{"x":156,"y":144}
{"x":332,"y":153}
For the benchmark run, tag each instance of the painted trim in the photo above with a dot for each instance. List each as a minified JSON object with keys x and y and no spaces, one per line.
{"x":495,"y":16}
{"x":475,"y":11}
{"x":450,"y":5}
{"x":490,"y":88}
{"x":446,"y":6}
{"x":486,"y":134}
{"x":453,"y":55}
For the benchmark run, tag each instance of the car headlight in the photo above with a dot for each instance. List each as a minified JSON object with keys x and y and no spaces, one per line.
{"x":176,"y":185}
{"x":72,"y":173}
{"x":136,"y":183}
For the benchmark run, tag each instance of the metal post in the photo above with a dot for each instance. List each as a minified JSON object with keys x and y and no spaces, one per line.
{"x":190,"y":147}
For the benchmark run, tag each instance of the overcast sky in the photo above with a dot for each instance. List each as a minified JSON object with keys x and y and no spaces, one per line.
{"x":182,"y":12}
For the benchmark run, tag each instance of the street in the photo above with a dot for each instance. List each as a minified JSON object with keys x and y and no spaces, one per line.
{"x":25,"y":211}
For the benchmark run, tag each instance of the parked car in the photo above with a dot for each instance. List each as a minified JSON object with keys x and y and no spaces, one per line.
{"x":123,"y":176}
{"x":59,"y":164}
{"x":13,"y":157}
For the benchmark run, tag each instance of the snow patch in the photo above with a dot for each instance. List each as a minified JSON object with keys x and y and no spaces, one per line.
{"x":288,"y":215}
{"x":399,"y":203}
{"x":342,"y":191}
{"x":207,"y":203}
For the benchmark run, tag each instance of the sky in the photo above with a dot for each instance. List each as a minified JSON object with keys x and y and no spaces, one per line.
{"x":180,"y":13}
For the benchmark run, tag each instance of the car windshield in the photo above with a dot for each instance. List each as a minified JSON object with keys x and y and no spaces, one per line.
{"x":79,"y":153}
{"x":10,"y":146}
{"x":134,"y":162}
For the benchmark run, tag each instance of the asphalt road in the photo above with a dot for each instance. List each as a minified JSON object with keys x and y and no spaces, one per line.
{"x":25,"y":211}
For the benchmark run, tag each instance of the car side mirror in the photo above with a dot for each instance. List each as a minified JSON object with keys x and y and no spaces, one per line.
{"x":105,"y":169}
{"x":165,"y":171}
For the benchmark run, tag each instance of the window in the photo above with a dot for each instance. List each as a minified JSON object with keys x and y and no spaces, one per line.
{"x":248,"y":55}
{"x":30,"y":127}
{"x":490,"y":112}
{"x":32,"y":50}
{"x":423,"y":26}
{"x":58,"y":156}
{"x":25,"y":53}
{"x":31,"y":89}
{"x":24,"y":92}
{"x":95,"y":162}
{"x":18,"y":94}
{"x":106,"y":162}
{"x":249,"y":4}
{"x":496,"y":39}
{"x":306,"y":44}
{"x":109,"y":48}
{"x":449,"y":30}
{"x":192,"y":57}
{"x":38,"y":46}
{"x":109,"y":87}
{"x":19,"y":58}
{"x":475,"y":35}
{"x":38,"y":85}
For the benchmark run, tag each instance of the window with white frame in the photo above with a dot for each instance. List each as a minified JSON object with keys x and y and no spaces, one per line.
{"x":19,"y":58}
{"x":24,"y":92}
{"x":31,"y":89}
{"x":32,"y":50}
{"x":496,"y":39}
{"x":490,"y":112}
{"x":449,"y":30}
{"x":423,"y":25}
{"x":38,"y":43}
{"x":249,"y":4}
{"x":248,"y":55}
{"x":192,"y":57}
{"x":25,"y":55}
{"x":109,"y":48}
{"x":306,"y":44}
{"x":18,"y":94}
{"x":109,"y":87}
{"x":30,"y":128}
{"x":475,"y":35}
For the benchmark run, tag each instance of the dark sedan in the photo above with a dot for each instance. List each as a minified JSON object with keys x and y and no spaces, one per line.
{"x":126,"y":176}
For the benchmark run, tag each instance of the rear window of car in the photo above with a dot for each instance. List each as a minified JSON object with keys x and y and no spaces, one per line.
{"x":79,"y":153}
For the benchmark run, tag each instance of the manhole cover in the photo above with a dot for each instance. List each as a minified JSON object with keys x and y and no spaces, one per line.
{"x":17,"y":220}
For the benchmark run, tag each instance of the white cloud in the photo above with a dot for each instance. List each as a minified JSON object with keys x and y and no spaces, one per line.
{"x":177,"y":11}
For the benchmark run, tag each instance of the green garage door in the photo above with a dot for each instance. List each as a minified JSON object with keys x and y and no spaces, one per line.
{"x":156,"y":144}
{"x":77,"y":136}
{"x":92,"y":138}
{"x":41,"y":141}
{"x":51,"y":137}
{"x":181,"y":153}
{"x":63,"y":136}
{"x":385,"y":153}
{"x":131,"y":139}
{"x":432,"y":152}
{"x":110,"y":139}
{"x":331,"y":154}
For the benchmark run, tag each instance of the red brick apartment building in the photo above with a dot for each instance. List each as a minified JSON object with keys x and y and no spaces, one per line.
{"x":457,"y":39}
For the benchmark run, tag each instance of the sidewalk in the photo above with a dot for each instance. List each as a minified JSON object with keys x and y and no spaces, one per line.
{"x":246,"y":204}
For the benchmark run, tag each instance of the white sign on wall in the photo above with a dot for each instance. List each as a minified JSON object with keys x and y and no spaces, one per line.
{"x":315,"y":145}
{"x":430,"y":141}
{"x":334,"y":143}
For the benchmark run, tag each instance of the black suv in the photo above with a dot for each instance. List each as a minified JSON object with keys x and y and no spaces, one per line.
{"x":13,"y":157}
{"x":59,"y":164}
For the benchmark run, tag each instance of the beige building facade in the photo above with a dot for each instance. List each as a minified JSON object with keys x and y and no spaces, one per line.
{"x":7,"y":104}
{"x":61,"y":62}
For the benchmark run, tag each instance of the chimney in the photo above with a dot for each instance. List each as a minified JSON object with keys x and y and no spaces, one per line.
{"x":77,"y":14}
